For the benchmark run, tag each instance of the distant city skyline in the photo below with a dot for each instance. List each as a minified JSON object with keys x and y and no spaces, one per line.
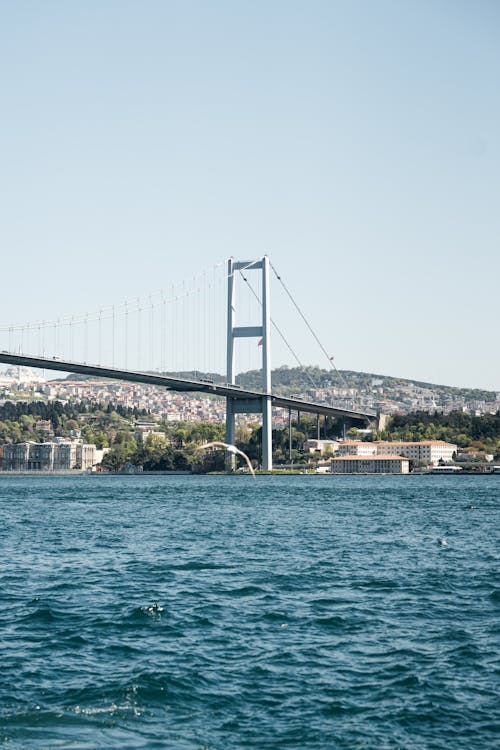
{"x":356,"y":144}
{"x":385,"y":396}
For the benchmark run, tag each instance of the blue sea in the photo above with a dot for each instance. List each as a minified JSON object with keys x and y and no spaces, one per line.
{"x":201,"y":613}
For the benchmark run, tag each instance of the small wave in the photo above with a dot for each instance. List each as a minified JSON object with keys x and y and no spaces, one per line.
{"x":465,"y":653}
{"x":334,"y":623}
{"x":140,"y":615}
{"x":274,"y":617}
{"x":340,"y":708}
{"x":43,"y":615}
{"x":407,"y":681}
{"x":111,"y":710}
{"x":245,"y":591}
{"x":326,"y":602}
{"x":197,"y":565}
{"x":379,"y":584}
{"x":117,"y":619}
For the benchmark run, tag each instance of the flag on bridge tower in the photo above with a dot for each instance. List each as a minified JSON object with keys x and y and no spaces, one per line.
{"x":260,"y":342}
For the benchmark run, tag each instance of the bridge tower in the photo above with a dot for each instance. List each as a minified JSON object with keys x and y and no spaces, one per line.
{"x":261,"y":405}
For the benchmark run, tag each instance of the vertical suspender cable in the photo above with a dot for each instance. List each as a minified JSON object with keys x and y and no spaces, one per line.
{"x":172,"y":335}
{"x":99,"y":336}
{"x":126,"y":335}
{"x":113,"y":337}
{"x":204,"y":321}
{"x":162,"y":334}
{"x":150,"y":333}
{"x":85,"y":338}
{"x":195,"y":328}
{"x":138,"y":333}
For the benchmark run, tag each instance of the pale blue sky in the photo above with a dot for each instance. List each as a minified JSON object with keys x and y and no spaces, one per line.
{"x":357,"y":143}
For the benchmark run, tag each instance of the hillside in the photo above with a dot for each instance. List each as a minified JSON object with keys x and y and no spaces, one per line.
{"x":294,"y":379}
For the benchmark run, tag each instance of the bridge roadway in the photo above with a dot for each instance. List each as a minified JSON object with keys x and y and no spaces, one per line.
{"x":181,"y":384}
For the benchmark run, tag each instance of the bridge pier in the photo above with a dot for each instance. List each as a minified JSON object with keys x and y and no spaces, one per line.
{"x":267,"y":434}
{"x":230,"y":462}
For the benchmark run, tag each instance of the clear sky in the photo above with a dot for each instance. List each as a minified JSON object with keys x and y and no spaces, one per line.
{"x":355,"y":142}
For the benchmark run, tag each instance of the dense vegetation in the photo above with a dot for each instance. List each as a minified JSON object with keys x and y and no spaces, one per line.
{"x":38,"y":420}
{"x":457,"y":427}
{"x":176,"y":447}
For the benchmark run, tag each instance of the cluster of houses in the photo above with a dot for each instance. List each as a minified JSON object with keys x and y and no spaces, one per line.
{"x":377,"y":394}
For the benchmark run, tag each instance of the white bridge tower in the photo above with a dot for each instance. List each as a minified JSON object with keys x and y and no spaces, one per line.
{"x":261,"y":405}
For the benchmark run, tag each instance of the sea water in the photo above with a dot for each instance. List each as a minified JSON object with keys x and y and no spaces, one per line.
{"x":222,"y":612}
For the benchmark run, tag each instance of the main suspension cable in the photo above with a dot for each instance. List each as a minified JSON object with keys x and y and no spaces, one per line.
{"x":280,"y":333}
{"x":330,"y":359}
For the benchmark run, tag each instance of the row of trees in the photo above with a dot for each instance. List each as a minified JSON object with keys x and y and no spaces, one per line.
{"x":457,"y":427}
{"x":13,"y":410}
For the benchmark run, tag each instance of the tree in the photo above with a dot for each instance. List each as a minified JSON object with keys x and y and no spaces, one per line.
{"x":154,"y":450}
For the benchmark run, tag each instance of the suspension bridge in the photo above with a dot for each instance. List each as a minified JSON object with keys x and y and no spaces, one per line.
{"x":186,"y":331}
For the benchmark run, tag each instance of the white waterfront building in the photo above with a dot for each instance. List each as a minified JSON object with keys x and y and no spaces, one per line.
{"x":430,"y":451}
{"x":62,"y":455}
{"x":374,"y":464}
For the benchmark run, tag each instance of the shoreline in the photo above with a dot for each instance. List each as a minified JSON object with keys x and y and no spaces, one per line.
{"x":277,"y":473}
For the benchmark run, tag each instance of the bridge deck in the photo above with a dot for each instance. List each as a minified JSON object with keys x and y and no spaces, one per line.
{"x":179,"y":384}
